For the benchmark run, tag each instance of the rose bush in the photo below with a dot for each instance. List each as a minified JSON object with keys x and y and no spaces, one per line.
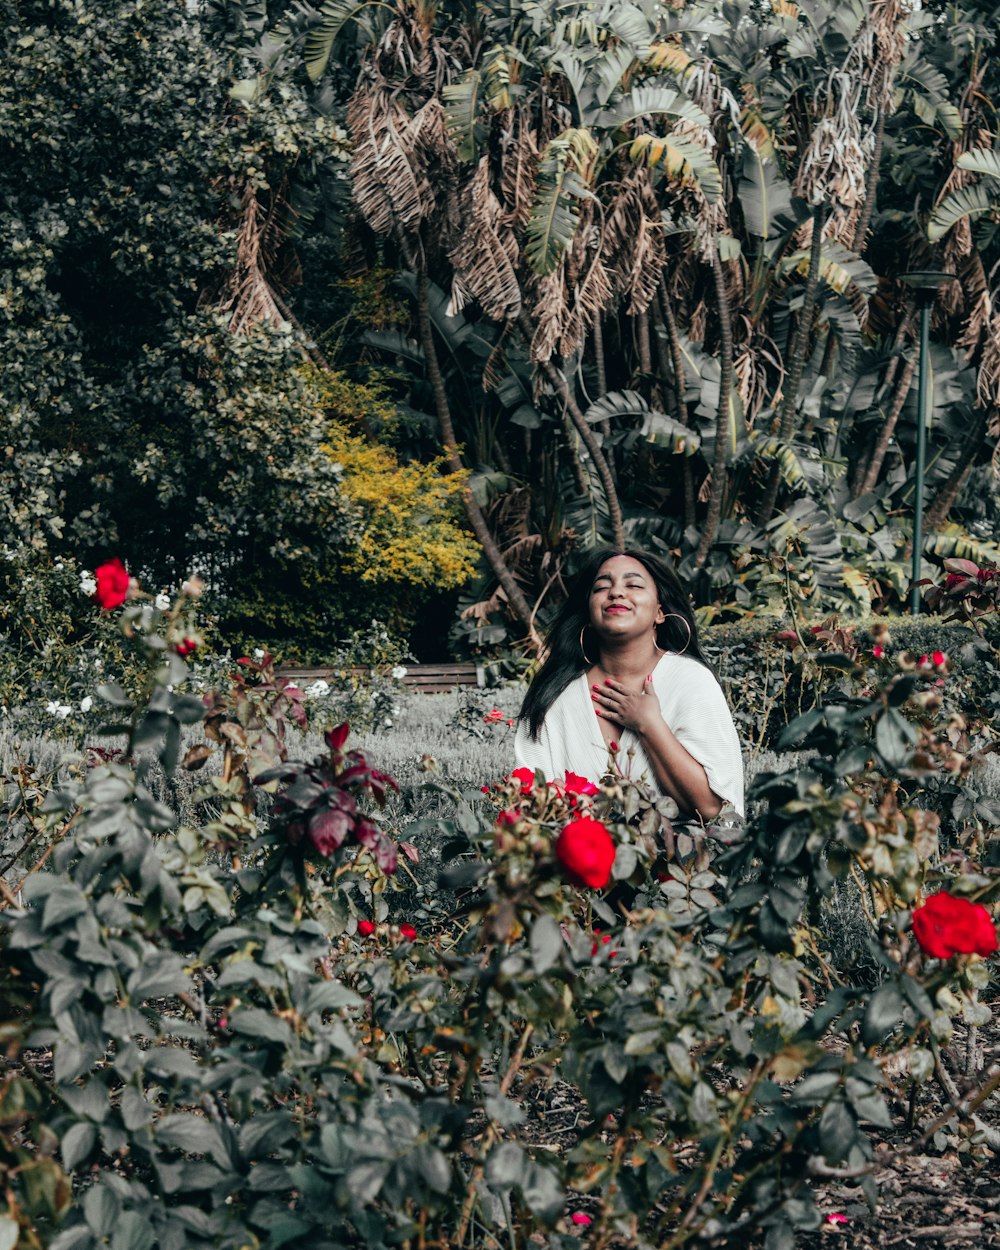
{"x":229,"y":1064}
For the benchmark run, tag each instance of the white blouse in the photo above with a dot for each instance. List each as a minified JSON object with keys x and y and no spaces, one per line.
{"x":693,"y":706}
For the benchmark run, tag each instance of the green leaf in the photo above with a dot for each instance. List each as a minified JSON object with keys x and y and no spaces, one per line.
{"x":434,"y":1167}
{"x":192,"y":1134}
{"x":112,"y":693}
{"x":651,"y":101}
{"x":883,"y":1013}
{"x":506,"y":1166}
{"x":683,"y":161}
{"x":333,"y":17}
{"x":837,"y":1131}
{"x":461,"y":105}
{"x":965,"y":202}
{"x":101,"y":1210}
{"x":254,"y":1022}
{"x":981,"y":161}
{"x":133,"y":1232}
{"x":894,"y":738}
{"x":543,"y":1193}
{"x":77,"y":1144}
{"x":562,"y":182}
{"x":63,"y":903}
{"x":546,"y":943}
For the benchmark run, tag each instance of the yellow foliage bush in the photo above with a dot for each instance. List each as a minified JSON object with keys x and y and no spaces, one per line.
{"x":410,"y":513}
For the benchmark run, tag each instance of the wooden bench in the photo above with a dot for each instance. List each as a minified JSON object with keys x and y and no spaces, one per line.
{"x":423,"y":678}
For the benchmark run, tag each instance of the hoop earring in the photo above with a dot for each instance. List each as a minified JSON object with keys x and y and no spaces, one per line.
{"x":687,"y":626}
{"x":586,"y":657}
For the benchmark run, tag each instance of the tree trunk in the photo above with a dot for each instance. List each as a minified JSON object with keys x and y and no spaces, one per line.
{"x":722,"y":418}
{"x":671,"y":348}
{"x":602,"y":376}
{"x":870,"y":479}
{"x":558,"y":380}
{"x":860,"y":240}
{"x":515,"y":597}
{"x":798,"y":353}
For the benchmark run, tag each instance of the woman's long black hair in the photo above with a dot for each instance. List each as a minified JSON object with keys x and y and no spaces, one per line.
{"x":565,"y":660}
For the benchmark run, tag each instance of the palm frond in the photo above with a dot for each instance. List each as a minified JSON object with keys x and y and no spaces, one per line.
{"x":681,"y":160}
{"x":765,"y":196}
{"x":561,"y":185}
{"x":953,"y":542}
{"x":669,"y":58}
{"x":981,"y":161}
{"x":965,"y":202}
{"x":333,"y":17}
{"x":652,"y":101}
{"x":461,"y":106}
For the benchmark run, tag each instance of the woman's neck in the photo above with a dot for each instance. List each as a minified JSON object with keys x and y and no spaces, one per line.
{"x":630,"y":664}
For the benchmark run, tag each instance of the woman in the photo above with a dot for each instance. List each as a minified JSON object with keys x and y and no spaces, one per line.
{"x":625,"y":678}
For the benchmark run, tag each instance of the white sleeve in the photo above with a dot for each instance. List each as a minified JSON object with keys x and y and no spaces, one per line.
{"x":704,"y":727}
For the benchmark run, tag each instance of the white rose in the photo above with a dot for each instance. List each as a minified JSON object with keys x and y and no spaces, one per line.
{"x":62,"y":711}
{"x":162,"y":601}
{"x":88,"y":585}
{"x":317,"y":690}
{"x":399,"y":672}
{"x":86,"y":704}
{"x":52,"y":708}
{"x":258,"y":653}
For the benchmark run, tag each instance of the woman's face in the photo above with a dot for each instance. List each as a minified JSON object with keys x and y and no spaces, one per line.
{"x":623,"y":599}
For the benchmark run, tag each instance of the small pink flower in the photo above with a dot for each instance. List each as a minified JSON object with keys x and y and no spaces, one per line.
{"x":407,"y":931}
{"x":581,"y":1217}
{"x":878,"y":652}
{"x":834,"y":1217}
{"x":938,"y":657}
{"x":922,"y":660}
{"x":366,"y":927}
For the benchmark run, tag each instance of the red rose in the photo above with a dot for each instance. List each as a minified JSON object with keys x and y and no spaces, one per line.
{"x":407,"y":931}
{"x":946,"y":925}
{"x":366,"y":927}
{"x":575,"y":784}
{"x":878,"y":652}
{"x":526,"y":776}
{"x":112,"y":584}
{"x":938,"y":657}
{"x":586,"y":852}
{"x":922,"y":660}
{"x":509,"y":817}
{"x":186,"y":648}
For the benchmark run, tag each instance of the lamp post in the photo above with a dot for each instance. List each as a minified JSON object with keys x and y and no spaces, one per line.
{"x":925,"y":285}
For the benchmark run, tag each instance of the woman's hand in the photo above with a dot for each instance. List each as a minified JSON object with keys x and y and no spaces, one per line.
{"x":637,"y":710}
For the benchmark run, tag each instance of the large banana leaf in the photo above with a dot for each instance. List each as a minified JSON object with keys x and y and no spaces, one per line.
{"x":682,"y":161}
{"x":953,"y":543}
{"x":657,"y":427}
{"x":652,"y":101}
{"x":560,"y":187}
{"x":765,"y":196}
{"x":333,"y":17}
{"x":669,"y":58}
{"x":965,"y":202}
{"x":461,"y":105}
{"x":981,"y":161}
{"x":839,"y":268}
